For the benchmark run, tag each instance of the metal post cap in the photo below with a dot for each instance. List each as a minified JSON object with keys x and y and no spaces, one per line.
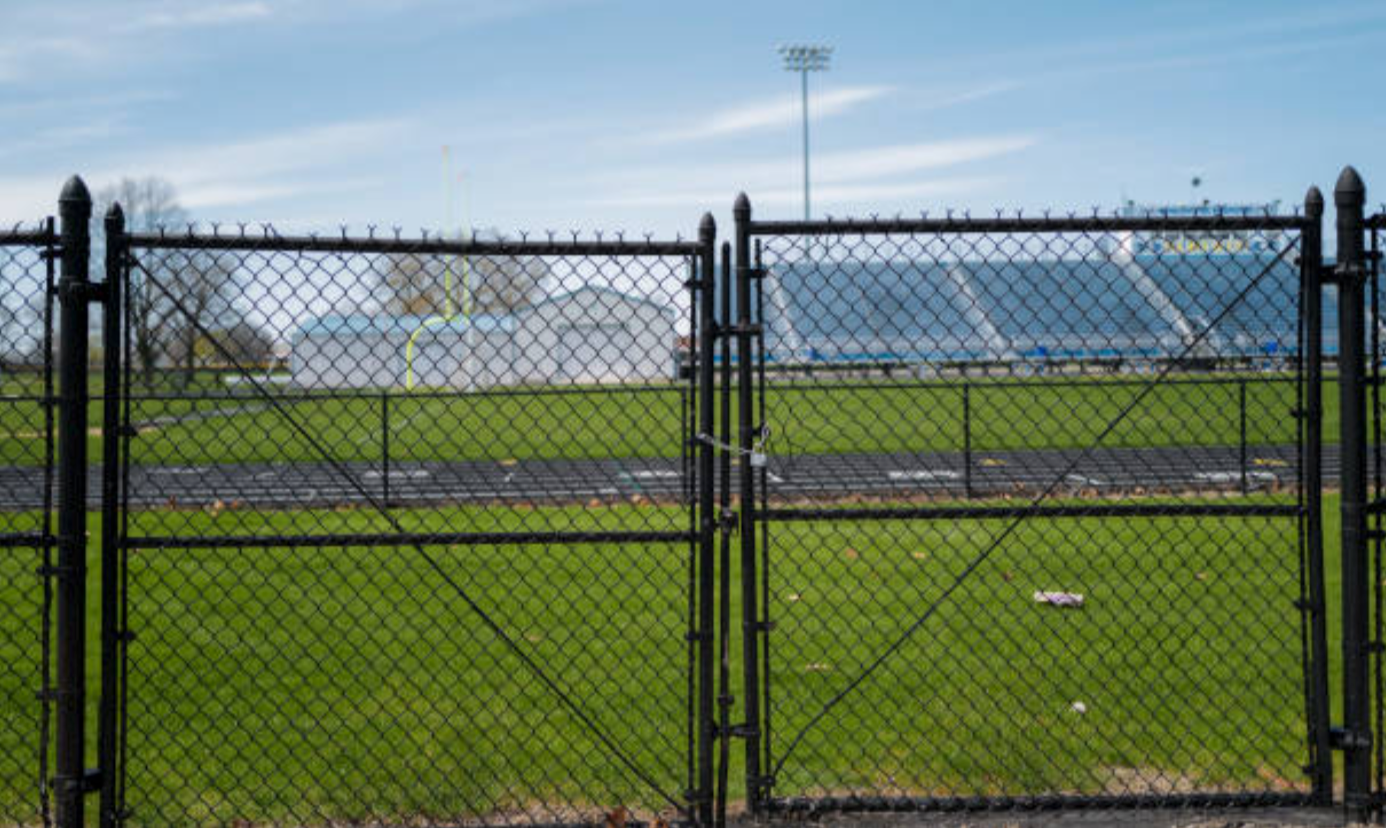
{"x":1349,"y":191}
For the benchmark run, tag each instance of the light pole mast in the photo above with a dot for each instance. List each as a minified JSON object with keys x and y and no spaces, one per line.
{"x":804,"y":59}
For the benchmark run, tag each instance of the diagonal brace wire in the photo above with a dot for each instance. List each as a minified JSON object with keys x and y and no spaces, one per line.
{"x":530,"y":664}
{"x":1027,"y":512}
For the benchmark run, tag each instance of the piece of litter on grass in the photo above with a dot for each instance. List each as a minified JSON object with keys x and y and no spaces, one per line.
{"x":1078,"y":707}
{"x":1059,"y":599}
{"x":818,"y":667}
{"x":793,"y":596}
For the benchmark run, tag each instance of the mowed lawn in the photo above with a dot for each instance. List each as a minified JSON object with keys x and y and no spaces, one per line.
{"x":307,"y":685}
{"x":652,"y":421}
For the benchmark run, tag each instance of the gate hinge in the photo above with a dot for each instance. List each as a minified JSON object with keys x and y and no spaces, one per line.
{"x":696,"y":635}
{"x":1337,"y":274}
{"x":762,"y":626}
{"x":736,"y":731}
{"x":1375,"y":647}
{"x":751,"y":271}
{"x":1342,"y":738}
{"x":84,"y":291}
{"x":764,"y":783}
{"x":697,"y":797}
{"x":89,"y":782}
{"x":728,"y":521}
{"x":1304,"y":605}
{"x":746,"y":328}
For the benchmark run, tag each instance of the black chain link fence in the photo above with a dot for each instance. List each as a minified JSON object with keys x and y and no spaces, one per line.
{"x":421,"y":531}
{"x":25,"y":533}
{"x":1032,"y":511}
{"x":409,"y":530}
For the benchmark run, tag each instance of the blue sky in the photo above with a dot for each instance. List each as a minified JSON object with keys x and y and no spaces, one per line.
{"x":611,"y":114}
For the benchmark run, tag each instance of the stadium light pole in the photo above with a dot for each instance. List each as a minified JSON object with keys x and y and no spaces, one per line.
{"x":804,"y":59}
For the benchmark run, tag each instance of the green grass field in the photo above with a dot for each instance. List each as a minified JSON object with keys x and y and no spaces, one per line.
{"x":848,"y":416}
{"x":355,"y":684}
{"x":275,"y":685}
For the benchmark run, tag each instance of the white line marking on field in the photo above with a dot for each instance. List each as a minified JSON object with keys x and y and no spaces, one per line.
{"x":923,"y":474}
{"x":1083,"y":481}
{"x":654,"y":473}
{"x":413,"y":474}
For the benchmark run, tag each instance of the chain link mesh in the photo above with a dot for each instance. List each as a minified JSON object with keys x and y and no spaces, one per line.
{"x":409,"y":530}
{"x":1084,"y":438}
{"x":26,"y":462}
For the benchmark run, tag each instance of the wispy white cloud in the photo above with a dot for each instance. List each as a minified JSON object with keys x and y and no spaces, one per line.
{"x":274,"y":166}
{"x":834,"y":168}
{"x":889,"y":174}
{"x":200,"y":15}
{"x":775,"y":112}
{"x":829,"y":195}
{"x":880,"y":162}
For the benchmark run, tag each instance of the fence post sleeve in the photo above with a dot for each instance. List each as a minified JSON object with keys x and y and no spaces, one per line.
{"x":1349,"y":196}
{"x":74,"y":206}
{"x":1311,"y":270}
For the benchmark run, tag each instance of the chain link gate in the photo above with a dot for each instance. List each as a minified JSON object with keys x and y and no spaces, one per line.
{"x":1030,"y":512}
{"x":27,"y":263}
{"x":455,"y":569}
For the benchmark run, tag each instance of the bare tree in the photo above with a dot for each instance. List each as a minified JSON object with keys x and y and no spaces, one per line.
{"x":205,"y":287}
{"x":418,"y":285}
{"x":149,"y":204}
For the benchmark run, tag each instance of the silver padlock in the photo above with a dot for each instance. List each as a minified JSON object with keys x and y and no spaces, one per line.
{"x":758,"y":460}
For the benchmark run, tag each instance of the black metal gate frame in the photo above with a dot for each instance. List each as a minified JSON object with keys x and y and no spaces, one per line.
{"x":122,"y":255}
{"x":758,"y":515}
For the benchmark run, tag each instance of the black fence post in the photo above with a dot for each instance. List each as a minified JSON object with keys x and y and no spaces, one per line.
{"x":1349,"y":196}
{"x":725,"y":699}
{"x":756,"y":787}
{"x":1311,"y":265}
{"x":707,"y":513}
{"x":111,"y":635}
{"x":69,"y":782}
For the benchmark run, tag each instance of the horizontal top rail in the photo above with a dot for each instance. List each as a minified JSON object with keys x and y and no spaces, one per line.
{"x":1022,"y":224}
{"x":1377,"y":221}
{"x":32,"y":237}
{"x":271,"y":241}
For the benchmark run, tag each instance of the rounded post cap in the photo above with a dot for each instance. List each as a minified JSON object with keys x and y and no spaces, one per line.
{"x":115,"y":214}
{"x":742,"y":206}
{"x":1349,"y":191}
{"x":1313,"y":202}
{"x":707,"y":228}
{"x":75,"y":191}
